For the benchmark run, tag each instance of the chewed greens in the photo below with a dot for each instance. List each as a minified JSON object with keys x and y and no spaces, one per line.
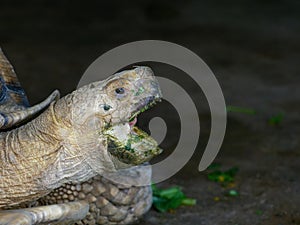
{"x":130,"y":144}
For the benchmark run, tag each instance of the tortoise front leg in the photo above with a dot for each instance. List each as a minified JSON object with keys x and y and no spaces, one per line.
{"x":71,"y":211}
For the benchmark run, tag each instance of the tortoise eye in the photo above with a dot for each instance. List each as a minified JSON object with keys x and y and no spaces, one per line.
{"x":120,"y":91}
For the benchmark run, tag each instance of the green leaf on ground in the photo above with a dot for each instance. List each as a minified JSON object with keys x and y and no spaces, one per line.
{"x":214,"y":166}
{"x":223,"y":176}
{"x":233,"y":193}
{"x":170,"y":198}
{"x":276,"y":119}
{"x":238,"y":109}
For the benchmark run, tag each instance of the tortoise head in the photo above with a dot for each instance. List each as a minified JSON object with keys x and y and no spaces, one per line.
{"x":106,"y":116}
{"x":126,"y":94}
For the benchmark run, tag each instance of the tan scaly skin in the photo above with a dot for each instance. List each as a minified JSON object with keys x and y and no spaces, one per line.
{"x":67,"y":153}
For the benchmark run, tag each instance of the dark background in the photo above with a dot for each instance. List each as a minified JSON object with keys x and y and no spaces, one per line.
{"x":252,"y":47}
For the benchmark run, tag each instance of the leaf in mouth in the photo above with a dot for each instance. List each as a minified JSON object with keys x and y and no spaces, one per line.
{"x":131,"y":146}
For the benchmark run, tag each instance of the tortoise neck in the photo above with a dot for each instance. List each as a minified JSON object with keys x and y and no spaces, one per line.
{"x":25,"y":154}
{"x":36,"y":141}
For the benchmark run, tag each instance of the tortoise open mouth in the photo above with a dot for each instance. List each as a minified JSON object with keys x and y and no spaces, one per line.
{"x":130,"y":144}
{"x":143,"y":105}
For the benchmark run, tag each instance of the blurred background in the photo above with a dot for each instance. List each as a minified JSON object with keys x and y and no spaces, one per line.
{"x":252,"y":47}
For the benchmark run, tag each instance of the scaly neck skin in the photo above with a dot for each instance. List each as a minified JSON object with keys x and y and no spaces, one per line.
{"x":25,"y":154}
{"x":34,"y":158}
{"x":33,"y":141}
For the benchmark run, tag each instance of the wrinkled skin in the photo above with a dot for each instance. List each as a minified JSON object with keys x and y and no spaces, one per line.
{"x":71,"y":142}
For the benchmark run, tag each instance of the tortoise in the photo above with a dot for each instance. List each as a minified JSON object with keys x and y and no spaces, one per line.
{"x":78,"y":159}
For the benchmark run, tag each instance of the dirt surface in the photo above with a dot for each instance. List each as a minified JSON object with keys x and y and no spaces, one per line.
{"x":252,"y":47}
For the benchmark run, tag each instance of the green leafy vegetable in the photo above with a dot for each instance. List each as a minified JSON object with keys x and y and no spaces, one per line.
{"x":214,"y":166}
{"x":233,"y":193}
{"x":276,"y":119}
{"x":170,"y":198}
{"x":226,"y":178}
{"x":231,"y":108}
{"x":223,"y":176}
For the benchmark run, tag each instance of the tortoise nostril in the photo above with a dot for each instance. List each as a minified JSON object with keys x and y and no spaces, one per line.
{"x":106,"y":107}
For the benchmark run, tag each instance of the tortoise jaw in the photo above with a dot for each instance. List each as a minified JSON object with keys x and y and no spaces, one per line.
{"x":128,"y":143}
{"x":143,"y":105}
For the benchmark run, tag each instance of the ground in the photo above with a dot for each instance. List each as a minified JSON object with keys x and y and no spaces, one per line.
{"x":251,"y":46}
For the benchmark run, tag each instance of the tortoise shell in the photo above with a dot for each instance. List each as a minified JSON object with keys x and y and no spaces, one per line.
{"x":14,"y":105}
